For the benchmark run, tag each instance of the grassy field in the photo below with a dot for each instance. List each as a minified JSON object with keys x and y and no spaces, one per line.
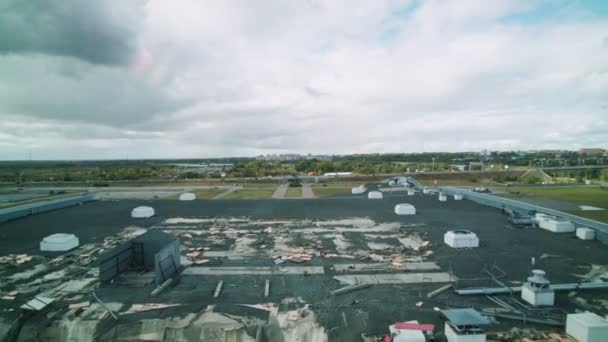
{"x":208,"y":193}
{"x":260,"y":185}
{"x":597,"y":215}
{"x":294,"y":192}
{"x":325,"y":192}
{"x":597,"y":197}
{"x":143,"y":183}
{"x":484,"y":182}
{"x":250,"y":194}
{"x":337,"y":184}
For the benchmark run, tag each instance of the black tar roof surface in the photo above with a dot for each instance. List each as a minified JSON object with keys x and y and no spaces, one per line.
{"x":509,"y":247}
{"x":370,"y":310}
{"x":465,"y":317}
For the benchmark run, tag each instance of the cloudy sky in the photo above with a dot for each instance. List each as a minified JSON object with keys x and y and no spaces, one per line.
{"x":83,"y":79}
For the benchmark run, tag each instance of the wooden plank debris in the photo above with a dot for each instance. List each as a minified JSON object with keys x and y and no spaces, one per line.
{"x":193,"y":255}
{"x":414,"y":326}
{"x":395,"y":278}
{"x":161,"y":287}
{"x":349,"y":288}
{"x":438,"y":291}
{"x":267,"y":289}
{"x":79,"y":305}
{"x":103,"y":305}
{"x":270,"y":307}
{"x":334,"y":255}
{"x":218,"y":289}
{"x":37,"y":303}
{"x":23,"y":258}
{"x":231,"y":255}
{"x":255,"y":270}
{"x":406,"y":266}
{"x":150,"y":307}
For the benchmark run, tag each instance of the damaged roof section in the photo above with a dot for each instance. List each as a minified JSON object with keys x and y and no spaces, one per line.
{"x":153,"y":250}
{"x":465,"y":317}
{"x":316,"y":271}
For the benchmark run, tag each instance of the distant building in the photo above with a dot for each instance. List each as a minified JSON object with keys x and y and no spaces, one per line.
{"x":475,"y":166}
{"x":337,"y":174}
{"x":219,"y":165}
{"x":291,"y":157}
{"x":279,"y":157}
{"x":591,"y":151}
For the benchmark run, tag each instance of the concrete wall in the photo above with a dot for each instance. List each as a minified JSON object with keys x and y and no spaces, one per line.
{"x":500,"y":202}
{"x":40,"y":207}
{"x":166,"y":262}
{"x":602,"y":237}
{"x":114,"y":261}
{"x":153,"y":241}
{"x":146,"y":194}
{"x":160,"y":253}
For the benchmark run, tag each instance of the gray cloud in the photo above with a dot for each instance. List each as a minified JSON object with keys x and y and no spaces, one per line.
{"x":55,"y":88}
{"x":225,"y":78}
{"x":103,"y":32}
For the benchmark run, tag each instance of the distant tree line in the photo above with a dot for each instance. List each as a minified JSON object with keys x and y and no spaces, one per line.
{"x":76,"y":173}
{"x":365,"y":164}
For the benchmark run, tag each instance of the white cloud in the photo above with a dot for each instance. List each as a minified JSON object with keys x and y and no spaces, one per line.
{"x":237,"y":78}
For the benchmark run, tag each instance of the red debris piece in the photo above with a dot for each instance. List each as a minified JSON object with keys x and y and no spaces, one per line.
{"x":414,"y":326}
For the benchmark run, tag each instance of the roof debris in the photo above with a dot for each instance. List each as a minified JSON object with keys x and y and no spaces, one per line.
{"x":387,"y":254}
{"x":150,"y":307}
{"x":79,"y":305}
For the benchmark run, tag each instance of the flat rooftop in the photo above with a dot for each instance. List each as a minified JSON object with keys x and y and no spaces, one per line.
{"x":351,"y":238}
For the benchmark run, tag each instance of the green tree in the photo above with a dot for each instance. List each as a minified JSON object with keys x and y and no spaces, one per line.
{"x":67,"y":176}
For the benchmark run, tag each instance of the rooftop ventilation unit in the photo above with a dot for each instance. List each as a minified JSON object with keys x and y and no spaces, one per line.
{"x":405,"y":209}
{"x":585,"y":233}
{"x":587,"y":327}
{"x":537,"y":291}
{"x":358,"y":190}
{"x":461,"y":239}
{"x":187,"y":196}
{"x":554,"y":224}
{"x":142,"y":212}
{"x":374,"y":195}
{"x":59,"y":243}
